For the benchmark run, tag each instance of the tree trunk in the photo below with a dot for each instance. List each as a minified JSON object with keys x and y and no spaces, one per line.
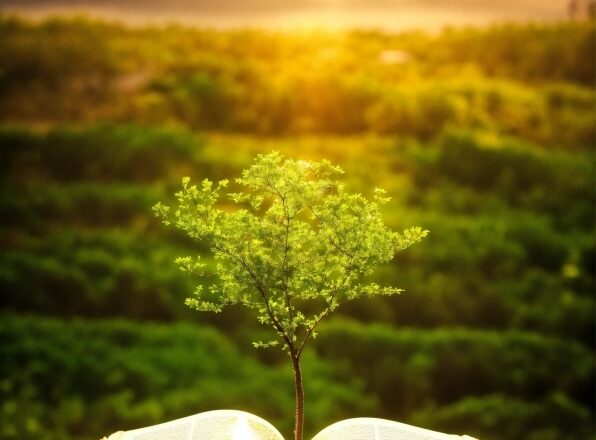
{"x":299,"y":423}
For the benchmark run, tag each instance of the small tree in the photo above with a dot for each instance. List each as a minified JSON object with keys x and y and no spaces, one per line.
{"x":297,"y":247}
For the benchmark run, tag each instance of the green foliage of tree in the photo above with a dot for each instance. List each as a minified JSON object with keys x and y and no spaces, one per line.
{"x":300,"y":247}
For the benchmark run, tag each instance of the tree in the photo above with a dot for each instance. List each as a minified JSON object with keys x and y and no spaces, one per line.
{"x":297,"y":247}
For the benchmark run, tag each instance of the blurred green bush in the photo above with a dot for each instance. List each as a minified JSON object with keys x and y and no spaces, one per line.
{"x":83,"y":379}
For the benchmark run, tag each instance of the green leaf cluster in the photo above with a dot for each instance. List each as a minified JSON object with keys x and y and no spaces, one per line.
{"x":292,"y":245}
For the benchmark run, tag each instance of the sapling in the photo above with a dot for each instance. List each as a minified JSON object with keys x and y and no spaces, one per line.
{"x":297,"y":246}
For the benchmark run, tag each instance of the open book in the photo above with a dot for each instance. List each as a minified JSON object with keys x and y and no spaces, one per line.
{"x":239,"y":425}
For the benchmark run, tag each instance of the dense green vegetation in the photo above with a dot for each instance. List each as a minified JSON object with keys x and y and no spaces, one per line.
{"x":484,"y":137}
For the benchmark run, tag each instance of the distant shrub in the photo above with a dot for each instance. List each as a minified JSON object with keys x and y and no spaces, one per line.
{"x":94,"y":274}
{"x":439,"y":367}
{"x":104,"y":153}
{"x":497,"y":416}
{"x":82,"y":380}
{"x":82,"y":204}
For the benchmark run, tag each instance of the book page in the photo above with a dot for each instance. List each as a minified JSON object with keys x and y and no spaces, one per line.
{"x":211,"y":425}
{"x":180,"y":429}
{"x":380,"y":429}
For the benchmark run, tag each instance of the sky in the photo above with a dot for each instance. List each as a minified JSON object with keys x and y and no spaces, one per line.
{"x":385,"y":14}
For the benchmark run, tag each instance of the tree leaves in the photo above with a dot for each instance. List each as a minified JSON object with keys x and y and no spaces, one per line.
{"x":297,"y":246}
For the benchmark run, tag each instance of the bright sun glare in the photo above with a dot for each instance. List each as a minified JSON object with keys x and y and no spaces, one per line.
{"x":242,"y":430}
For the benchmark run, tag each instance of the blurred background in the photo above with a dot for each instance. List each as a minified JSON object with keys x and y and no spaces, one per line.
{"x":478,"y":118}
